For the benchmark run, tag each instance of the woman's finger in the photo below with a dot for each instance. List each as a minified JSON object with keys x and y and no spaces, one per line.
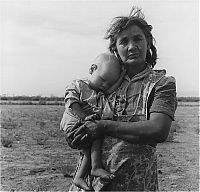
{"x":79,"y":130}
{"x":78,"y":124}
{"x":78,"y":140}
{"x":70,"y":132}
{"x":71,"y":135}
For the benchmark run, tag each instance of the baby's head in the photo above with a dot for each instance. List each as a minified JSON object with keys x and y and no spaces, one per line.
{"x":104,"y":72}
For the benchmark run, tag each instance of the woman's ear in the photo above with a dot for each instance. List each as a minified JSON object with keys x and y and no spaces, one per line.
{"x":114,"y":49}
{"x":92,"y":68}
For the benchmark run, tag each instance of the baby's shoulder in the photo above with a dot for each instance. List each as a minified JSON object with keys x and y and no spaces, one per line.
{"x":83,"y":84}
{"x":79,"y":83}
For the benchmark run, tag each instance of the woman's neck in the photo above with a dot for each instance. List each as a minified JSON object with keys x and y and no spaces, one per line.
{"x":133,"y":70}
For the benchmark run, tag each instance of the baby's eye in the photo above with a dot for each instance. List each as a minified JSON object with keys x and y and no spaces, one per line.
{"x":102,"y":79}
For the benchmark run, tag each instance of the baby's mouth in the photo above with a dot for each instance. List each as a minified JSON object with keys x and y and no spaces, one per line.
{"x":102,"y":88}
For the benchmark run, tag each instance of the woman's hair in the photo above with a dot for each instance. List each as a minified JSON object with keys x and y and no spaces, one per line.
{"x":136,"y":17}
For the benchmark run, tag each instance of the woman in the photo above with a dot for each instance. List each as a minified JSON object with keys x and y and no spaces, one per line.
{"x":144,"y":107}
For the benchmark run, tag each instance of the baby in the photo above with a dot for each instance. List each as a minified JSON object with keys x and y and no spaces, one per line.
{"x":86,"y":100}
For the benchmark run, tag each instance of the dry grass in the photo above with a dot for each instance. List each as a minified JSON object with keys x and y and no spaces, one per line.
{"x":40,"y":160}
{"x":41,"y":138}
{"x":7,"y":141}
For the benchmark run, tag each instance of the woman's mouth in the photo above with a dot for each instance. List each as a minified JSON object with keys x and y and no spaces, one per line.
{"x":133,"y":55}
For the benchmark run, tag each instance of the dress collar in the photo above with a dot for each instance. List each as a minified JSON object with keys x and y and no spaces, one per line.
{"x":140,"y":75}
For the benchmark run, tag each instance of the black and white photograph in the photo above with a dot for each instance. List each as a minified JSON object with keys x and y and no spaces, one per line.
{"x":99,"y":95}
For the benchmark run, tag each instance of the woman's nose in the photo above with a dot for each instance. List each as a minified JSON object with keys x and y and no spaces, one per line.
{"x":132,"y":46}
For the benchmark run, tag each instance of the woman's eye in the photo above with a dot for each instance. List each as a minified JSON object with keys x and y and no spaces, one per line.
{"x":138,"y":39}
{"x":123,"y":42}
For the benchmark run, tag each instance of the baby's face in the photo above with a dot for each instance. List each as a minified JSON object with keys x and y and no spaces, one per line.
{"x":102,"y":81}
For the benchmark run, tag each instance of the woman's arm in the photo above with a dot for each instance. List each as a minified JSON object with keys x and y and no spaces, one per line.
{"x":154,"y":130}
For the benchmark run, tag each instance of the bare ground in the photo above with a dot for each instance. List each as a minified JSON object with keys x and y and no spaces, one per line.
{"x":35,"y":155}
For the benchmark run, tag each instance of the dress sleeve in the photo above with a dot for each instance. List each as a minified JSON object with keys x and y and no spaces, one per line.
{"x":164,"y":98}
{"x":72,"y":93}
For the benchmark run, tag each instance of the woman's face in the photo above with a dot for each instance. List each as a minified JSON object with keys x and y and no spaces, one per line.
{"x":132,"y":46}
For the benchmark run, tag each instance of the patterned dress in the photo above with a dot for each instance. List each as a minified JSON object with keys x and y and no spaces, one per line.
{"x":135,"y":165}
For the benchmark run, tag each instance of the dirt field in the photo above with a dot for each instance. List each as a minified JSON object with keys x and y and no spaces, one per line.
{"x":35,"y":156}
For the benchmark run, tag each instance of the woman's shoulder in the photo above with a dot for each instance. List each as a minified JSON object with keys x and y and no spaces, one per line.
{"x":163,"y":77}
{"x":166,"y":82}
{"x":163,"y":97}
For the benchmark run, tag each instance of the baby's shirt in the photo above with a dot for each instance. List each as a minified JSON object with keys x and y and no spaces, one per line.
{"x":89,"y":100}
{"x":80,"y":92}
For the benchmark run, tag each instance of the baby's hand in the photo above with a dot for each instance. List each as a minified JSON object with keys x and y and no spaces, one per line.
{"x":92,"y":117}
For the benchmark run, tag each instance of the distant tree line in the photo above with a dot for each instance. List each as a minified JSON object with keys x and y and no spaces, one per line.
{"x":54,"y":98}
{"x":31,"y":98}
{"x":188,"y":99}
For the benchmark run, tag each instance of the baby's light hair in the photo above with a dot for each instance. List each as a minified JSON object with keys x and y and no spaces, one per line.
{"x":109,"y":59}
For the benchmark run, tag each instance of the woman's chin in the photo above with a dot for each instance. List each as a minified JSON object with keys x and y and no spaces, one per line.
{"x":134,"y":62}
{"x":131,"y":62}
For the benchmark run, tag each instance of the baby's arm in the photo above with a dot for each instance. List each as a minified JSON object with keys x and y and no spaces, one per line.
{"x":78,"y":110}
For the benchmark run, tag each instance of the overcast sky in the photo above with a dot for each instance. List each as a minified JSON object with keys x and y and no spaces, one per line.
{"x":45,"y":44}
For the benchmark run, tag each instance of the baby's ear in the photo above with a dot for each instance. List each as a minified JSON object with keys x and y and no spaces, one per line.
{"x":92,"y":68}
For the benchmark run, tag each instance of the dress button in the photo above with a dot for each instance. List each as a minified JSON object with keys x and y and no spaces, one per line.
{"x":122,"y":100}
{"x":119,"y":109}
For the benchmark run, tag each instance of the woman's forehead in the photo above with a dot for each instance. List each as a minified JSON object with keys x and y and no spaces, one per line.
{"x":131,"y":30}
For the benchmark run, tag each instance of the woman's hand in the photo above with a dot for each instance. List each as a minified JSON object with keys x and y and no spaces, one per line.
{"x":76,"y":137}
{"x":94,"y":129}
{"x":92,"y":117}
{"x":82,"y":135}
